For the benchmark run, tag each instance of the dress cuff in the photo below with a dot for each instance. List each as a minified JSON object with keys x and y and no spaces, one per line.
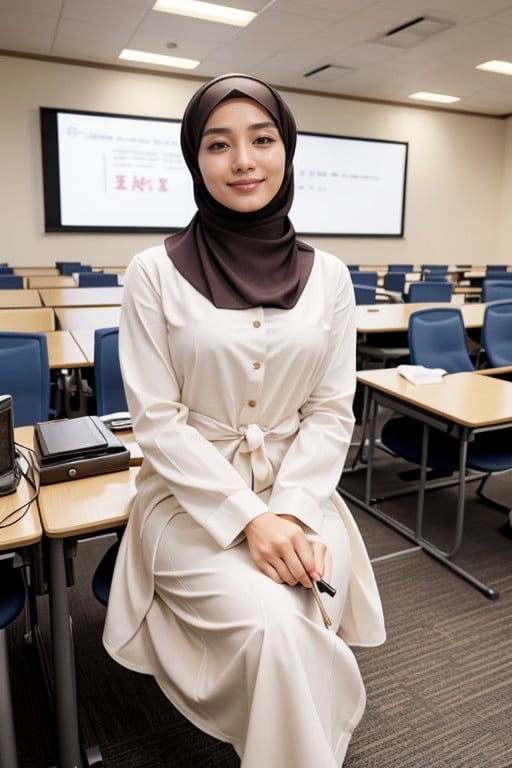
{"x":229,"y":519}
{"x":299,"y":504}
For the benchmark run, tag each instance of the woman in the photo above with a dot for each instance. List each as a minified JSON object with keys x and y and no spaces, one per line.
{"x":237,"y":345}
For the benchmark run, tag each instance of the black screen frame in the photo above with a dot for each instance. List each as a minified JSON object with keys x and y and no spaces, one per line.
{"x":52,"y":192}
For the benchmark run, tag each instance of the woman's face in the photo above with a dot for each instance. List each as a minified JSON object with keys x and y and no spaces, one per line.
{"x":241,"y":155}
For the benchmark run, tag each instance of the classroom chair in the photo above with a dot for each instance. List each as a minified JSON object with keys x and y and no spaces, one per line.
{"x":70,"y":269}
{"x":430,"y":291}
{"x":102,"y":576}
{"x":400,"y":268}
{"x":496,"y":337}
{"x":96,"y":279}
{"x":67,"y":265}
{"x":437,"y":339}
{"x":496,"y":290}
{"x":25,"y":375}
{"x":109,"y":390}
{"x":11,"y":281}
{"x":12,"y":601}
{"x":362,"y":277}
{"x":5,"y":270}
{"x":364,"y":294}
{"x":394,"y":281}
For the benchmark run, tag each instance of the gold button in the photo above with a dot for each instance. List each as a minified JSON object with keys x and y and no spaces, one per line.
{"x":251,"y":403}
{"x":256,"y":366}
{"x":256,"y":324}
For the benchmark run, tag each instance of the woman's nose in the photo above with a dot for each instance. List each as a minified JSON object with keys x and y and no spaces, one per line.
{"x":243,"y":159}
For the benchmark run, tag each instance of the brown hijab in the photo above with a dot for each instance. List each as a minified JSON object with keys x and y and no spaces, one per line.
{"x":240,"y":260}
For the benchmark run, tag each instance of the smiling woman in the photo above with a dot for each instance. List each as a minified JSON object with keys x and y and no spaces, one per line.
{"x":243,"y":165}
{"x":237,"y":347}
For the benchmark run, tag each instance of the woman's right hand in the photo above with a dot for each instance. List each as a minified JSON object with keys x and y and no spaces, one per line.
{"x":280,"y":549}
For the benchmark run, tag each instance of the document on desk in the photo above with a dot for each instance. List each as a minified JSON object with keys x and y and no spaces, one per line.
{"x":420,"y":374}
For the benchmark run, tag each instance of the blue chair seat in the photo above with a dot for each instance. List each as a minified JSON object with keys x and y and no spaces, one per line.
{"x":12,"y":593}
{"x":102,"y":577}
{"x":488,"y":452}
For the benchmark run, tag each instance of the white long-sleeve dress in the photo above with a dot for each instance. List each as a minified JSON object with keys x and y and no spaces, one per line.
{"x":239,"y":412}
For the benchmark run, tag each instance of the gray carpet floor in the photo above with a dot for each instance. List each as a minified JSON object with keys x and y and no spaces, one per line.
{"x":439,"y":691}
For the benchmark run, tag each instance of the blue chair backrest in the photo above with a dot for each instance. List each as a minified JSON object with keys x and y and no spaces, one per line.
{"x":364,"y":294}
{"x":434,"y":267}
{"x":4,"y":270}
{"x":362,"y":277}
{"x":109,"y":389}
{"x":400,"y":268}
{"x":67,"y":264}
{"x":25,"y":375}
{"x":394,"y":281}
{"x":430,"y":291}
{"x":92,"y":279}
{"x":498,"y":274}
{"x":496,"y":290}
{"x":69,"y":269}
{"x":11,"y":281}
{"x":437,"y":339}
{"x":496,"y":268}
{"x":496,"y":336}
{"x":353,"y":267}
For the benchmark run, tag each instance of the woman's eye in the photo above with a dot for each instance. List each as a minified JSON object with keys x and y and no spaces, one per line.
{"x":264,"y":140}
{"x":217,"y":145}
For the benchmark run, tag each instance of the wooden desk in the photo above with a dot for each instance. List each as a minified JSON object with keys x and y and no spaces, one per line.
{"x":80,"y":318}
{"x":25,"y":532}
{"x":21,"y":297}
{"x":35,"y":319}
{"x":463,"y":404}
{"x":82,"y":297}
{"x":68,"y":510}
{"x":51,"y":281}
{"x":64,"y":352}
{"x":28,"y":271}
{"x":386,"y":318}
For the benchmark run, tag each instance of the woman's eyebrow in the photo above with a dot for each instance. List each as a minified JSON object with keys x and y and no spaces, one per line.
{"x":253,"y":127}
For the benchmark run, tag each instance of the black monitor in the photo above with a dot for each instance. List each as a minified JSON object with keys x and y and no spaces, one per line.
{"x":9,"y":467}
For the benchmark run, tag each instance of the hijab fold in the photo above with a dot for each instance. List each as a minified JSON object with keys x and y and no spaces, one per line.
{"x":240,"y":260}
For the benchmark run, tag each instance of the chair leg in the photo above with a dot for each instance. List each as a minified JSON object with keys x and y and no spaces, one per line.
{"x":494,"y":503}
{"x":8,"y":751}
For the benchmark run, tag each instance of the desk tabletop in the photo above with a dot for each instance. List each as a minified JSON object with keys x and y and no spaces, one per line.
{"x":104,"y":296}
{"x":21,"y":297}
{"x":72,"y":318}
{"x":465,"y":398}
{"x":27,"y":530}
{"x":87,"y":505}
{"x":64,"y":351}
{"x":381,"y":318}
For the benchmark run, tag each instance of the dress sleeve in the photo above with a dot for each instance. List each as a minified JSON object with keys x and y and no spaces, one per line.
{"x":312,"y":466}
{"x":198,"y":475}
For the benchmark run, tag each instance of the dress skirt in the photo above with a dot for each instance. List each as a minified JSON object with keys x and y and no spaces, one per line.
{"x":245,"y":659}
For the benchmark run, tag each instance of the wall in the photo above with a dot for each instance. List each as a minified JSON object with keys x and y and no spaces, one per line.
{"x":457,"y":189}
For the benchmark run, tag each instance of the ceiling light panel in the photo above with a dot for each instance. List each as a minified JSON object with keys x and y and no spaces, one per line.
{"x":207,"y":11}
{"x":439,"y":98}
{"x":146,"y":57}
{"x":499,"y":67}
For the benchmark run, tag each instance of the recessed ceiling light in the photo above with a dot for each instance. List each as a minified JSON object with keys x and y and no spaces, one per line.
{"x":157,"y":58}
{"x":501,"y":67}
{"x":206,"y":11}
{"x":440,"y":98}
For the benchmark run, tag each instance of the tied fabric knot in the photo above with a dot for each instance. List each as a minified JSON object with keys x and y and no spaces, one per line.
{"x":253,"y":443}
{"x":245,"y":446}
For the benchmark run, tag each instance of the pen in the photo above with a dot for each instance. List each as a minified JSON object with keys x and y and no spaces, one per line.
{"x":323,"y":586}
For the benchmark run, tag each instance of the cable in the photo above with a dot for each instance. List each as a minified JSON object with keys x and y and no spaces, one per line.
{"x":31,"y":475}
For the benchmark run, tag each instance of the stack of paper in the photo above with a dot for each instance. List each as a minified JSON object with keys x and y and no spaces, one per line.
{"x":419,"y":374}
